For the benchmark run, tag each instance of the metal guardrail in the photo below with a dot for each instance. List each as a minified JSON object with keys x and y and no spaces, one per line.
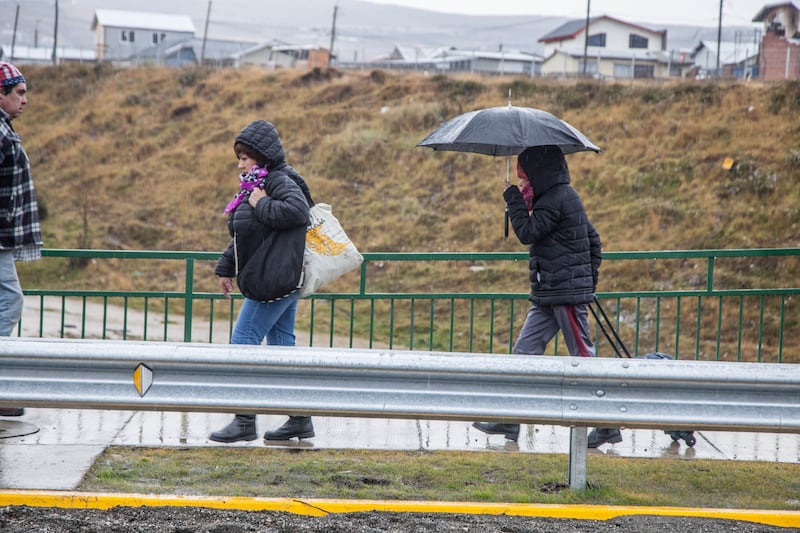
{"x":567,"y":391}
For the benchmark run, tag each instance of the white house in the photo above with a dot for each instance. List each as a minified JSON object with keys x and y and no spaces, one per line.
{"x":612,"y":49}
{"x":132,"y":35}
{"x":736,"y":59}
{"x":278,"y":54}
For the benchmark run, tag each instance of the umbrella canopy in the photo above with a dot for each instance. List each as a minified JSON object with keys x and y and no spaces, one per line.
{"x":506,"y":130}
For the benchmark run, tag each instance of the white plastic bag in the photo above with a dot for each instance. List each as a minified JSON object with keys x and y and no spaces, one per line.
{"x":329,"y":251}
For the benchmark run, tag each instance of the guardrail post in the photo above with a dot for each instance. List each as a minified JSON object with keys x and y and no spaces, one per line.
{"x":578,"y":441}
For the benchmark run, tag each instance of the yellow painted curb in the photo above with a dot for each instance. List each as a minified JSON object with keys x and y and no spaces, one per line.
{"x":321,"y":507}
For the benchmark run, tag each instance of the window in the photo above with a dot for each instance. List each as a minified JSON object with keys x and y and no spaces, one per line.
{"x":158,"y":37}
{"x":644,"y":71}
{"x":591,"y":67}
{"x":622,"y":70}
{"x":598,"y":39}
{"x":637,"y":41}
{"x":126,"y":36}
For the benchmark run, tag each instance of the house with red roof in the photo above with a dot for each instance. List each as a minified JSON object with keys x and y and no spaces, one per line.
{"x":607,"y":47}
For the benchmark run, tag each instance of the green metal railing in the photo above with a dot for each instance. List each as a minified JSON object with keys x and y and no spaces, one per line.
{"x":737,"y":305}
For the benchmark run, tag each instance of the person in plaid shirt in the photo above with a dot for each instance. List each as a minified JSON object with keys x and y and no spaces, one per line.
{"x":20,"y":234}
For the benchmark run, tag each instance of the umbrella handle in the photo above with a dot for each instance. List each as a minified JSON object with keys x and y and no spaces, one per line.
{"x":505,"y":225}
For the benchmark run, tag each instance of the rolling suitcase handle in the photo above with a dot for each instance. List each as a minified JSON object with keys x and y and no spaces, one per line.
{"x":616,"y":342}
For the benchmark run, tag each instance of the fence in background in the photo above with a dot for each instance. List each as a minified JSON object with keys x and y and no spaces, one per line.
{"x":695,"y":304}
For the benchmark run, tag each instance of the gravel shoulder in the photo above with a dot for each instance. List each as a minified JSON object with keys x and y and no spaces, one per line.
{"x":202,"y":520}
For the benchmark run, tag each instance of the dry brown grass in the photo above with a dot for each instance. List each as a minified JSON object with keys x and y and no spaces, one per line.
{"x":142,"y":159}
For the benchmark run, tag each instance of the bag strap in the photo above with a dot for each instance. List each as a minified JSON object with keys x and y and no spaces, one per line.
{"x":298,"y":179}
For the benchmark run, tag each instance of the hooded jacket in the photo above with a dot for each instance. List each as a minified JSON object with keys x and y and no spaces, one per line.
{"x":565,"y":248}
{"x":273,"y":233}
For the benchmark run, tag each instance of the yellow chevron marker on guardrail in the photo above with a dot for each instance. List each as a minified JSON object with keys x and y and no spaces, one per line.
{"x":142,"y":379}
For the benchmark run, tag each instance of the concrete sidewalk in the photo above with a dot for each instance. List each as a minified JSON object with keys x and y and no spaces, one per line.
{"x":69,"y":440}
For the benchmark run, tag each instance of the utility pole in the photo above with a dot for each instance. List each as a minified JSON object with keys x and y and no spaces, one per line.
{"x":586,"y":40}
{"x":719,"y":38}
{"x":55,"y":37}
{"x":205,"y":34}
{"x":333,"y":34}
{"x":14,"y":38}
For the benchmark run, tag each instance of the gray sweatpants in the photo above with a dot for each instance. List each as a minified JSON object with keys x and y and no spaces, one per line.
{"x":542,"y":324}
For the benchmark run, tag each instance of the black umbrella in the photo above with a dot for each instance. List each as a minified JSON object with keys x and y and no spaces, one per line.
{"x":506,"y":130}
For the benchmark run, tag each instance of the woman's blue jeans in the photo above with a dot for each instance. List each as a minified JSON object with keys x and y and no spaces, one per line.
{"x":273,"y":320}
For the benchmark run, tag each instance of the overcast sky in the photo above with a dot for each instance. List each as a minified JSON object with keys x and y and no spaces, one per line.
{"x":700,"y":12}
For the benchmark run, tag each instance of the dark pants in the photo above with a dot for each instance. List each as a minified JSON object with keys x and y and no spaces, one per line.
{"x":543,"y":323}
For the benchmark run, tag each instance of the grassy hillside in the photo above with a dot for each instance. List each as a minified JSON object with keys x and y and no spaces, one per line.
{"x":142,"y":158}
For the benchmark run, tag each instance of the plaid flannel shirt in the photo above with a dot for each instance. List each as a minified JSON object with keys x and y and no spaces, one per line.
{"x":19,"y":213}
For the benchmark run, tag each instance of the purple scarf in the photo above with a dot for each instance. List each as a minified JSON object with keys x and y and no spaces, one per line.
{"x":248,"y":182}
{"x":527,"y":194}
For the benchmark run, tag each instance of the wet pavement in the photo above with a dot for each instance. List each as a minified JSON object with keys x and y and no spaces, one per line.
{"x":69,"y":440}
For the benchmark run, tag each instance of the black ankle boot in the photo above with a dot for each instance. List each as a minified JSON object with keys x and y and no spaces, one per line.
{"x":297,"y":426}
{"x":510,"y":431}
{"x":243,"y":427}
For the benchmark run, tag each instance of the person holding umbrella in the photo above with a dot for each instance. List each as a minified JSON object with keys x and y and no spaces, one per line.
{"x":565,"y":257}
{"x":565,"y":251}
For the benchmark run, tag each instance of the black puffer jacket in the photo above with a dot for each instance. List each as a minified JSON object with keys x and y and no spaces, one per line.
{"x":278,"y":222}
{"x":565,"y":249}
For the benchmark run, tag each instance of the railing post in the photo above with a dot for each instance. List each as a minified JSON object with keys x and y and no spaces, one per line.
{"x":188,"y":300}
{"x":710,"y":275}
{"x":578,"y":442}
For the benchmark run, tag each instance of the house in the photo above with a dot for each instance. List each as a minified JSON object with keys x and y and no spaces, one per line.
{"x":483,"y":62}
{"x":456,"y":60}
{"x":780,"y":42}
{"x":736,"y":59}
{"x":30,"y":55}
{"x":134,"y":36}
{"x":278,"y":54}
{"x":612,"y":49}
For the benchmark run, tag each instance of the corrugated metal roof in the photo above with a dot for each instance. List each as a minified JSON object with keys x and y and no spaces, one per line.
{"x":566,"y":31}
{"x":139,"y":20}
{"x":604,"y":53}
{"x":29,"y":54}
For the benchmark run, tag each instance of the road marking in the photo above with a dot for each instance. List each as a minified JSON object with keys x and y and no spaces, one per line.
{"x":321,"y":507}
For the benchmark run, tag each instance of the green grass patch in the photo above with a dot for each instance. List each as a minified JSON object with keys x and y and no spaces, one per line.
{"x":443,"y":476}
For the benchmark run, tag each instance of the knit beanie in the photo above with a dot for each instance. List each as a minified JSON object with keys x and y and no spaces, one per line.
{"x":10,"y":75}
